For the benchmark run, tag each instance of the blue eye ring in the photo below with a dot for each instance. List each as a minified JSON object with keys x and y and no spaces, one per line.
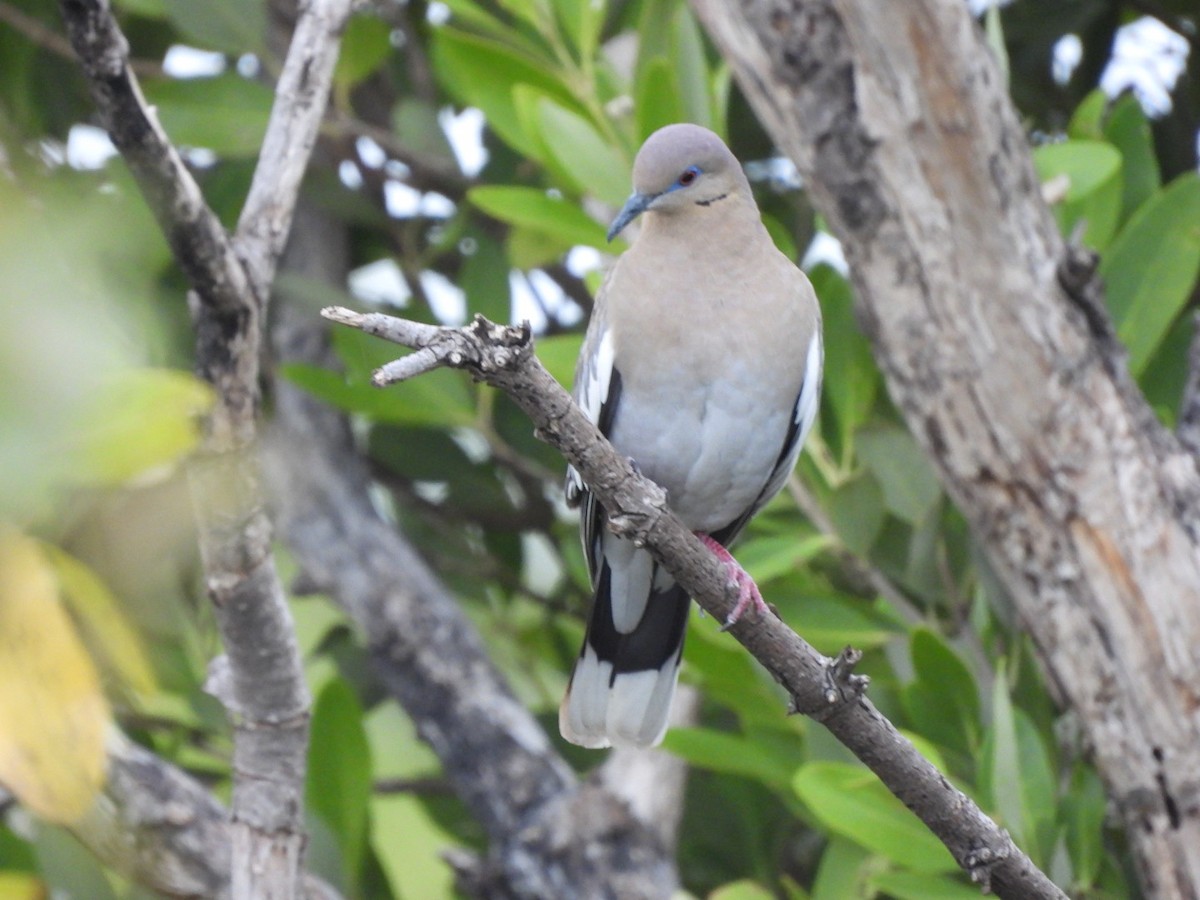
{"x":690,"y":174}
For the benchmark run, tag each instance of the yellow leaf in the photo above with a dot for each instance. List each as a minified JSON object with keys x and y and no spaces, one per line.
{"x":137,"y":421}
{"x":105,"y":627}
{"x":53,"y":716}
{"x":21,"y":886}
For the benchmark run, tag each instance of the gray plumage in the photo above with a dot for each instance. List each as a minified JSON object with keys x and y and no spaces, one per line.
{"x":702,"y":363}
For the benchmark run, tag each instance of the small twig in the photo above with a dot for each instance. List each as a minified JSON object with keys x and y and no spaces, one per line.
{"x":424,"y":360}
{"x":503,"y":358}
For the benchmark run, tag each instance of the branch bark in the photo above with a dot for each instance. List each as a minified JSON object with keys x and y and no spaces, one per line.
{"x":265,"y":692}
{"x":825,"y":689}
{"x":999,"y":354}
{"x":160,"y":827}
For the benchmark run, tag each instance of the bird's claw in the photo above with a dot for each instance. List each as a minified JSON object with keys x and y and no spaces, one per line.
{"x":748,"y":592}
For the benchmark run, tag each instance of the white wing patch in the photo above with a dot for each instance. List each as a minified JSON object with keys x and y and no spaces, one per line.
{"x":597,"y":374}
{"x":591,"y":392}
{"x":810,"y":389}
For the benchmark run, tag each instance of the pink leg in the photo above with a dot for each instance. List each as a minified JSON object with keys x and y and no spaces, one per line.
{"x":748,"y":593}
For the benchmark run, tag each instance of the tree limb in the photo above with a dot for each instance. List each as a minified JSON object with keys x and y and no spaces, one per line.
{"x":157,"y":825}
{"x":996,"y":349}
{"x":819,"y":687}
{"x":265,"y":693}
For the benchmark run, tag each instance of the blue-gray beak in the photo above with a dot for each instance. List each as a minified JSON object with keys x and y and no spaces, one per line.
{"x":634,"y":207}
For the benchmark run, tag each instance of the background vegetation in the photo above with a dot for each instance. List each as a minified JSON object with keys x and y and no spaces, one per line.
{"x":102,"y":613}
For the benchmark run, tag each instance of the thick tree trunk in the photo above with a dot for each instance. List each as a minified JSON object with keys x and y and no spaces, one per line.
{"x":1000,"y":357}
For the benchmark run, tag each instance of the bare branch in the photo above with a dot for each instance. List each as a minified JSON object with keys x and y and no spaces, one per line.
{"x":301,"y":95}
{"x":819,"y":687}
{"x":160,"y":827}
{"x":196,"y":236}
{"x":268,"y":698}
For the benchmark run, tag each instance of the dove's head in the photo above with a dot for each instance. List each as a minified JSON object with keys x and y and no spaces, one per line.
{"x":679,"y":168}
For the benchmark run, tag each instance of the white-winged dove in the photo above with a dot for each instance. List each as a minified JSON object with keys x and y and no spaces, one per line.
{"x":702,"y":363}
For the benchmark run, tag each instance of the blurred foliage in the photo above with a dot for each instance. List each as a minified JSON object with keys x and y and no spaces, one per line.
{"x":98,"y":568}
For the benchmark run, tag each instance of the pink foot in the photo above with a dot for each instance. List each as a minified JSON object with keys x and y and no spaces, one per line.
{"x":748,"y":593}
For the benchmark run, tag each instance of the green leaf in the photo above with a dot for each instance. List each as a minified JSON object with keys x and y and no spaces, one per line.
{"x":531,"y":248}
{"x":582,"y":20}
{"x":852,"y":380}
{"x":1087,"y":122}
{"x":227,"y":114}
{"x":742,"y":890}
{"x":151,"y":9}
{"x":781,"y":236}
{"x":417,"y":120}
{"x":540,"y":212}
{"x":67,"y":867}
{"x":410,"y":844}
{"x":1017,"y":774}
{"x":910,"y":489}
{"x":467,"y":12}
{"x":486,"y":291}
{"x":1128,"y":130}
{"x":687,"y":47}
{"x":843,"y":871}
{"x":948,"y":683}
{"x":766,"y":558}
{"x":483,"y":73}
{"x":419,"y":454}
{"x":338,"y":782}
{"x":1150,"y":269}
{"x":230,"y":26}
{"x":729,"y":677}
{"x":830,"y":621}
{"x":366,"y":45}
{"x":849,"y":800}
{"x":733,"y":754}
{"x":439,"y":399}
{"x":657,"y":97}
{"x":912,"y":886}
{"x":857,"y":510}
{"x":1084,"y":809}
{"x":527,"y":100}
{"x":559,"y":354}
{"x":1093,"y":170}
{"x":137,"y":420}
{"x":1166,"y":374}
{"x":593,"y":165}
